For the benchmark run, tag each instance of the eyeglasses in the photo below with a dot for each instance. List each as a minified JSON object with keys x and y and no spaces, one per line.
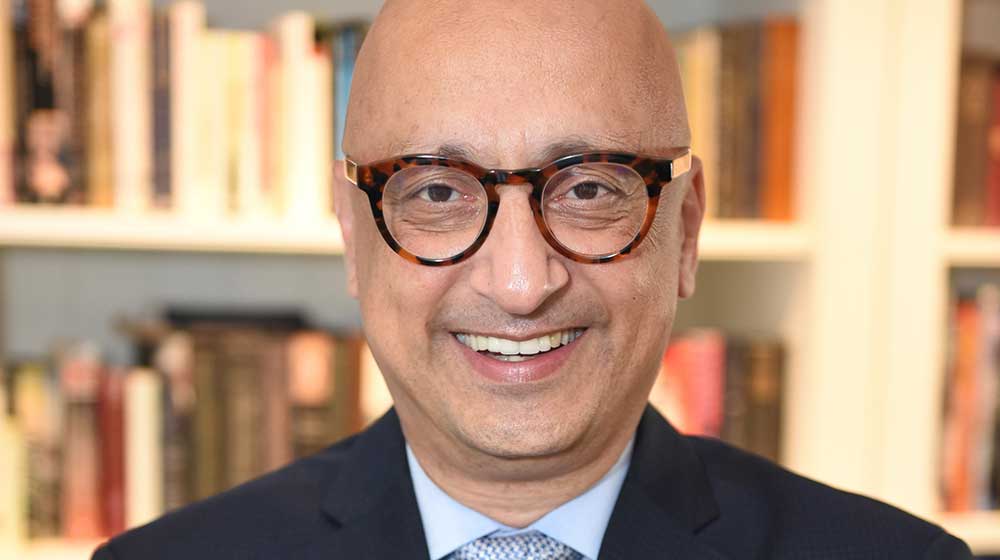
{"x":591,"y":208}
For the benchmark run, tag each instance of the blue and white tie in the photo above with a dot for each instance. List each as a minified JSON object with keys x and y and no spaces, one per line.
{"x":532,"y":545}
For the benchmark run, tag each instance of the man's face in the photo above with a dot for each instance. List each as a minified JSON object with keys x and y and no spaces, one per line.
{"x":508,"y":97}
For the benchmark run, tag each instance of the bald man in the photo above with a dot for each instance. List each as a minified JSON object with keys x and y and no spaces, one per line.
{"x":521,"y":213}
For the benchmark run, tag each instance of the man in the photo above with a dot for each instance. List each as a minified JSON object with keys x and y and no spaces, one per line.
{"x":518,"y":302}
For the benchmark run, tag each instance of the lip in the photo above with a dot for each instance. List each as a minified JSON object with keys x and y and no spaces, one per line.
{"x":536,"y":369}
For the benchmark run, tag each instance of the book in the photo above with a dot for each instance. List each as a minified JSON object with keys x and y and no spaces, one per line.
{"x":7,"y":126}
{"x":79,"y":378}
{"x":992,"y":187}
{"x":779,"y":92}
{"x":763,"y":390}
{"x":187,"y":26}
{"x":13,"y":473}
{"x":143,"y":449}
{"x":960,"y":415}
{"x":698,"y":53}
{"x":243,"y":421}
{"x":100,"y":177}
{"x":987,"y":391}
{"x":111,"y":421}
{"x":162,"y":144}
{"x":38,"y":416}
{"x":310,"y":390}
{"x":131,"y":98}
{"x":739,"y":121}
{"x":174,"y":359}
{"x":971,"y":147}
{"x":690,"y":387}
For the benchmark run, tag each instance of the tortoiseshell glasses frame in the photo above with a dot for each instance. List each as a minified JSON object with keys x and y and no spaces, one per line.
{"x":655,"y":173}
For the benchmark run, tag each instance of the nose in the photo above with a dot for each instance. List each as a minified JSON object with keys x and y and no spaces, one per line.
{"x":515,"y":267}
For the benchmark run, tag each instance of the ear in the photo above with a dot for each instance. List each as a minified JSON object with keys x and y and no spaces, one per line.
{"x":342,"y":191}
{"x":692,"y":214}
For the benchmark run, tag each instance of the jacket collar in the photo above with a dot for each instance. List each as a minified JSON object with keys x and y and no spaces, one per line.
{"x":665,"y":500}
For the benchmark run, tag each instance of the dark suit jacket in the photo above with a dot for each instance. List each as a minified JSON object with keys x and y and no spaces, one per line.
{"x":683,"y":498}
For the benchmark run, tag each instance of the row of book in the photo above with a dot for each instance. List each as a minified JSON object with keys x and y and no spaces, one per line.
{"x":120,"y":105}
{"x":741,"y":88}
{"x":970,"y":467}
{"x":977,"y":144}
{"x":92,"y":449}
{"x":724,"y":386}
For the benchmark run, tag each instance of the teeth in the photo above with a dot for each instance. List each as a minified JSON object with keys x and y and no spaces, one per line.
{"x":510,"y":350}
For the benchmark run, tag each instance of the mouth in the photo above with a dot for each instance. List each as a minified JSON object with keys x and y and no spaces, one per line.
{"x":506,"y":350}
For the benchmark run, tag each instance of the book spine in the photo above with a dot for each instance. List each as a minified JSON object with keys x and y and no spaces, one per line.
{"x":992,"y":187}
{"x":987,"y":388}
{"x":779,"y":77}
{"x":174,"y":357}
{"x":735,"y":425}
{"x":249,"y":86}
{"x":38,"y":412}
{"x":80,"y":372}
{"x":187,"y":25}
{"x":13,"y":474}
{"x":214,"y":157}
{"x":72,"y":87}
{"x":703,"y":103}
{"x":960,"y":409}
{"x":143,"y":447}
{"x":162,"y":118}
{"x":278,"y":447}
{"x":242,"y":429}
{"x":100,"y":178}
{"x":311,"y":388}
{"x":971,"y":142}
{"x":739,"y":127}
{"x":299,"y":180}
{"x":348,"y":351}
{"x":207,"y":474}
{"x":7,"y":125}
{"x":764,"y":387}
{"x":111,"y":416}
{"x":131,"y":100}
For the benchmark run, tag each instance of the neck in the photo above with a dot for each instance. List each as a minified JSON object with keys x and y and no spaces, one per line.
{"x":516,"y":492}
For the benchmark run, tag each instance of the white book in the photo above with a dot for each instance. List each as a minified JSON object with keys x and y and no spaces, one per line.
{"x":143,"y":447}
{"x":299,"y":178}
{"x":7,"y":125}
{"x":699,"y":53}
{"x":13,"y":479}
{"x":131,"y":100}
{"x":187,"y":27}
{"x":212,"y":182}
{"x":248,"y":82}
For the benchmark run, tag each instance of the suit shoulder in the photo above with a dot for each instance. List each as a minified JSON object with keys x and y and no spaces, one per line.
{"x":786,"y":514}
{"x":240,"y":522}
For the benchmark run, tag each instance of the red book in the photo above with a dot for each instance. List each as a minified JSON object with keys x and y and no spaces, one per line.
{"x":689,"y":390}
{"x":993,"y":157}
{"x":110,"y":416}
{"x":960,"y":418}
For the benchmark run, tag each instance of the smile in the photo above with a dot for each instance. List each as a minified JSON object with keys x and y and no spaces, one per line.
{"x":506,"y":350}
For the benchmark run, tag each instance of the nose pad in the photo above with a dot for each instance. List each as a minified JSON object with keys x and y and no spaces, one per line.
{"x":516,"y":268}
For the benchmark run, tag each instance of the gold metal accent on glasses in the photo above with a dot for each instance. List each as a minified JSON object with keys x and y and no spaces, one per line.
{"x":430,"y":183}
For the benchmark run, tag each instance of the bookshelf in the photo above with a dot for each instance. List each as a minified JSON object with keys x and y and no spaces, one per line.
{"x":866,"y":361}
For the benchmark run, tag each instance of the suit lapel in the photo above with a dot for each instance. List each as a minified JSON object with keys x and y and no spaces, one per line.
{"x":665,"y":500}
{"x":371,"y":499}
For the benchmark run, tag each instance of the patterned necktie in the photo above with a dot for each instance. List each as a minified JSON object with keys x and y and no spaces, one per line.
{"x":532,"y":545}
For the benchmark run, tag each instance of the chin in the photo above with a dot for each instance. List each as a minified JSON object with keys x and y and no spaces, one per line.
{"x":524,"y":436}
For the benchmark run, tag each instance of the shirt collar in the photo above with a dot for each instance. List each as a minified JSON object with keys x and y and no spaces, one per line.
{"x":579,"y":523}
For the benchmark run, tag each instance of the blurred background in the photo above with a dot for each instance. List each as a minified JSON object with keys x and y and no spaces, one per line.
{"x":173,"y":318}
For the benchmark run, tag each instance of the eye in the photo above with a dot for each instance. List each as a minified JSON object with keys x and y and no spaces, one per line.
{"x":586,"y":191}
{"x":438,"y":193}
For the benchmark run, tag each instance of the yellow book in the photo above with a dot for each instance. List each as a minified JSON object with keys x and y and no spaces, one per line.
{"x":13,"y":479}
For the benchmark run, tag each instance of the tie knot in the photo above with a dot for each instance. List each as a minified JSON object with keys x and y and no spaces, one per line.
{"x":532,"y":545}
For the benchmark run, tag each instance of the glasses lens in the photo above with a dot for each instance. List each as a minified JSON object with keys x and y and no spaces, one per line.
{"x":434,"y":212}
{"x":595,"y":209}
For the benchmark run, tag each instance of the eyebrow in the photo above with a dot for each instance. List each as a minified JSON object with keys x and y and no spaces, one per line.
{"x":563,"y":147}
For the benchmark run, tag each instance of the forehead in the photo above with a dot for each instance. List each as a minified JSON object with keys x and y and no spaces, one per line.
{"x":508,"y":89}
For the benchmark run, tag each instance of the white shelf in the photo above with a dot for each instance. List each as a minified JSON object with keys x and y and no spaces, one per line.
{"x":750,"y":240}
{"x":981,"y":530}
{"x":742,"y":240}
{"x":55,"y":549}
{"x":101,"y":229}
{"x":973,"y":247}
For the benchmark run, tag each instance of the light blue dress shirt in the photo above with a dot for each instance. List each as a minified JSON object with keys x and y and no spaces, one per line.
{"x":579,"y":523}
